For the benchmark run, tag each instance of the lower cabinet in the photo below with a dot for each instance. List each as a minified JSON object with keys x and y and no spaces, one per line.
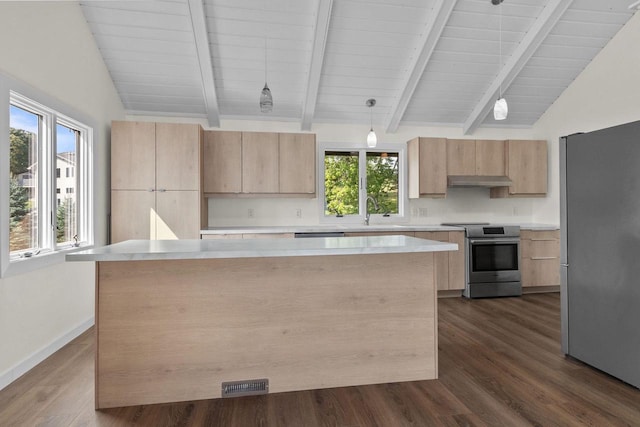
{"x":540,"y":257}
{"x":449,"y":265}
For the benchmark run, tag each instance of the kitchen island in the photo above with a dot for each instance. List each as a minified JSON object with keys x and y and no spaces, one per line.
{"x":177,"y":319}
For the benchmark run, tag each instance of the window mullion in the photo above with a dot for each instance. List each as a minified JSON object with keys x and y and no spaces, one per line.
{"x":49,"y":179}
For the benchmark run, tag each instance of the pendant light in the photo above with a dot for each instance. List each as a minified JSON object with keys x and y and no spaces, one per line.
{"x":372,"y":139}
{"x":500,"y":109}
{"x":266,"y":100}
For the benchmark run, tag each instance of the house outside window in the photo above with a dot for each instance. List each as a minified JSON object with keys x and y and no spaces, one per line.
{"x":41,"y":217}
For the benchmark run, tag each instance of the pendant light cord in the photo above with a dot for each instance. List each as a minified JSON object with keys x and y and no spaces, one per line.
{"x":500,"y":58}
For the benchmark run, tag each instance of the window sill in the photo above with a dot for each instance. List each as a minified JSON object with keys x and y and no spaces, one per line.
{"x":19,"y":266}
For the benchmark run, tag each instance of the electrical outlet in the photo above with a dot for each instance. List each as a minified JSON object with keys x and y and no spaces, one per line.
{"x":299,"y":213}
{"x":251,"y":213}
{"x":423,"y":212}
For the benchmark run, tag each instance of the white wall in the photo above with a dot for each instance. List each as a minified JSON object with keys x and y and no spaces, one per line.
{"x":605,"y":94}
{"x":48,"y":46}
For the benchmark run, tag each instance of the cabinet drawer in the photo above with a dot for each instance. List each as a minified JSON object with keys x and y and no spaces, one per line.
{"x":540,"y":272}
{"x":540,"y":249}
{"x":539,"y":234}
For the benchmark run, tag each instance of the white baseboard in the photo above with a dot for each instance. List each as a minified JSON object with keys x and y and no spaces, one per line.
{"x":21,"y":368}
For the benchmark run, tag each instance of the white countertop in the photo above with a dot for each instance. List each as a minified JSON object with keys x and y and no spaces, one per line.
{"x":143,"y":250}
{"x":355,"y":228}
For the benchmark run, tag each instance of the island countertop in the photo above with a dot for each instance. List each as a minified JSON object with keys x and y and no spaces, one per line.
{"x":142,"y":250}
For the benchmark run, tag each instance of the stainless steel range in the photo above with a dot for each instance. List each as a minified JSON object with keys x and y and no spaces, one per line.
{"x":492,"y":255}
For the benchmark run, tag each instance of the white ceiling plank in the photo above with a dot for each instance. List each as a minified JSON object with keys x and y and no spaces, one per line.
{"x":317,"y":60}
{"x":525,"y":50}
{"x":431,"y":34}
{"x":201,"y":36}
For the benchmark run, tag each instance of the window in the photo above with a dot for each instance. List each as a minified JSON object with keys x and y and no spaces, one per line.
{"x":356,"y":178}
{"x":42,"y":143}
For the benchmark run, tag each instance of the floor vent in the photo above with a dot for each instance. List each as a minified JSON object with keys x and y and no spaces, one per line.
{"x":245,"y":388}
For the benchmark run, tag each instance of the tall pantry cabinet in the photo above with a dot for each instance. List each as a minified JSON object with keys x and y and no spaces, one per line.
{"x":156,"y":189}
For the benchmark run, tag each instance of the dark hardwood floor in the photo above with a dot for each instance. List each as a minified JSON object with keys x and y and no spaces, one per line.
{"x":499,"y":360}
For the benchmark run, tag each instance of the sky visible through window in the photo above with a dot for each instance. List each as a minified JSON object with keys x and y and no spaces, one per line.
{"x":21,"y":119}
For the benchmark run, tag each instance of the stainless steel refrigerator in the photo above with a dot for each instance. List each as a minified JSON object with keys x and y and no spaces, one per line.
{"x":600,"y":246}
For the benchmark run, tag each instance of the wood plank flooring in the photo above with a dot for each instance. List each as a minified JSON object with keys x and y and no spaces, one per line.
{"x":500,"y":364}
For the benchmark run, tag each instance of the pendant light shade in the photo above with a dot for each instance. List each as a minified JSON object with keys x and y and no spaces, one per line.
{"x":372,"y":139}
{"x":266,"y":100}
{"x":500,"y":109}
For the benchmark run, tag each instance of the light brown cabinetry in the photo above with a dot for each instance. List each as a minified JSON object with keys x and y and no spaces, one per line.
{"x":155,"y":175}
{"x":427,"y":158}
{"x":526,"y":166}
{"x":470,"y":157}
{"x":259,"y":163}
{"x":222,"y":162}
{"x":297,"y":160}
{"x":540,"y":258}
{"x":449,"y":265}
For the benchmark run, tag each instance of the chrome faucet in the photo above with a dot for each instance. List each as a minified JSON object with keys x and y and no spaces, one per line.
{"x":375,"y":206}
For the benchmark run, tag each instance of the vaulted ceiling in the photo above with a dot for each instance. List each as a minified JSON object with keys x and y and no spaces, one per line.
{"x":426,"y":62}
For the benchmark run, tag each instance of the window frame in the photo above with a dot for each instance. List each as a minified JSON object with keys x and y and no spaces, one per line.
{"x":15,"y":92}
{"x":376,"y":218}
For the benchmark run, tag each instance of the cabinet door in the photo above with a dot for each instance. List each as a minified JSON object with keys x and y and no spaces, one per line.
{"x":490,"y":158}
{"x":441,"y":259}
{"x":177,"y":215}
{"x":457,"y":261}
{"x":260,"y":155}
{"x":527,"y":167}
{"x":133,"y":162}
{"x":461,"y":157}
{"x":177,"y":156}
{"x":222,"y":162}
{"x":131,"y":215}
{"x":427,"y":158}
{"x":297,"y":163}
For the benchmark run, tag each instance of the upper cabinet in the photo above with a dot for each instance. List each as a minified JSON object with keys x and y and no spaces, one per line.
{"x":156,"y":181}
{"x":259,"y":163}
{"x":432,"y":160}
{"x":469,"y":157}
{"x":526,"y":166}
{"x":297,"y":163}
{"x":222,"y":162}
{"x":427,"y":158}
{"x":133,"y":156}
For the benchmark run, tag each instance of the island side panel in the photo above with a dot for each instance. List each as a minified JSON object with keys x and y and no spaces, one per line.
{"x":175,"y":330}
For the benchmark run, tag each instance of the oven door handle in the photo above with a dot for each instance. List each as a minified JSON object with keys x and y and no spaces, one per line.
{"x":492,"y":241}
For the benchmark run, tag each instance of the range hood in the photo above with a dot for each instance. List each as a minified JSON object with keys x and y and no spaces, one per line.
{"x":477,"y":181}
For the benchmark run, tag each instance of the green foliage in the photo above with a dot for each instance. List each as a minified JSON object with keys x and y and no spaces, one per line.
{"x":382,"y":182}
{"x":19,"y":145}
{"x":341,"y":183}
{"x":63,"y":213}
{"x":18,"y":203}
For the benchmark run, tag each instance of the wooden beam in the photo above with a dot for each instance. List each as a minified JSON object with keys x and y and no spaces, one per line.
{"x":201,"y":36}
{"x":317,"y":59}
{"x":525,"y":50}
{"x":433,"y":29}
